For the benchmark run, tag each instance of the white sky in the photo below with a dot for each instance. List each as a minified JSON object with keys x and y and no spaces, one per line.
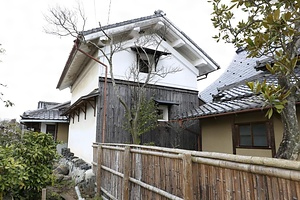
{"x":34,"y":60}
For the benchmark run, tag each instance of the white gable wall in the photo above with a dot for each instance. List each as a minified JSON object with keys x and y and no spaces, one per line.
{"x":82,"y":134}
{"x":186,"y":78}
{"x":86,"y":82}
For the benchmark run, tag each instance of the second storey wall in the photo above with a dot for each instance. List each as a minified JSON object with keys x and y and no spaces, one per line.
{"x":164,"y":135}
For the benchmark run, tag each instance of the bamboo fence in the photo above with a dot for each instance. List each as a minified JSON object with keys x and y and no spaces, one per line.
{"x":147,"y":172}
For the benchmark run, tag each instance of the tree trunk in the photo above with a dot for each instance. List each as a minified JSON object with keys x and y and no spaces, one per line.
{"x":289,"y":146}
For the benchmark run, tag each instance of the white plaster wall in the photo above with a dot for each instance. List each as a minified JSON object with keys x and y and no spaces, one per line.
{"x":82,"y":134}
{"x":86,"y":82}
{"x":123,"y":60}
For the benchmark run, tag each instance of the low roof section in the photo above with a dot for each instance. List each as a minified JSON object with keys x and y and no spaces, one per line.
{"x":236,"y":97}
{"x":46,"y":112}
{"x":239,"y":69}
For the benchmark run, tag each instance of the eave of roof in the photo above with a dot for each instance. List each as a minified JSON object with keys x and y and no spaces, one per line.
{"x":44,"y":120}
{"x":81,"y":100}
{"x":43,"y":115}
{"x":47,"y":114}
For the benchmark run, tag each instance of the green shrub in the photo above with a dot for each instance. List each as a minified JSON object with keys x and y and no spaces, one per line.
{"x":29,"y":163}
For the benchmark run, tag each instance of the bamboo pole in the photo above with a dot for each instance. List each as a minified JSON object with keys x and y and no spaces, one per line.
{"x":187,"y":177}
{"x":155,"y":189}
{"x":270,"y":171}
{"x":44,"y":193}
{"x":271,"y":162}
{"x":127,"y":168}
{"x":98,"y":174}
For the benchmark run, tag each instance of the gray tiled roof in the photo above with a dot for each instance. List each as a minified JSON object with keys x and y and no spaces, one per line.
{"x":157,"y":14}
{"x":240,"y":68}
{"x":225,"y":107}
{"x":235,"y":97}
{"x":49,"y":111}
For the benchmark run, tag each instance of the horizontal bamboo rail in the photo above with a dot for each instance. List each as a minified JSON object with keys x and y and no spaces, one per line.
{"x":163,"y":173}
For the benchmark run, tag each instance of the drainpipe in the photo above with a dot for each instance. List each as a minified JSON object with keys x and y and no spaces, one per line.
{"x":105,"y":87}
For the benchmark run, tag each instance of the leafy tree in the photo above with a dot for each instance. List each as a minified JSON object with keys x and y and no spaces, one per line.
{"x":10,"y":132}
{"x":7,"y":103}
{"x":141,"y":118}
{"x":270,"y":30}
{"x":26,"y":162}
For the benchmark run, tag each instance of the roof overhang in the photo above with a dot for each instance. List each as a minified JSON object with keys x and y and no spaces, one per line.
{"x":164,"y":102}
{"x":84,"y":99}
{"x":43,"y":121}
{"x":74,"y":65}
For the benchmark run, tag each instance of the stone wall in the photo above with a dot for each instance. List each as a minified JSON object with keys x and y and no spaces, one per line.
{"x":80,"y":171}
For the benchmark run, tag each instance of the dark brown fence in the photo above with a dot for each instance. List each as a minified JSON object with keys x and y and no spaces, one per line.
{"x":145,"y":172}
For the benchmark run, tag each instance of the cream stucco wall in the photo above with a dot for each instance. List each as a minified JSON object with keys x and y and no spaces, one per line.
{"x":62,"y":132}
{"x":217,"y":133}
{"x":82,"y":134}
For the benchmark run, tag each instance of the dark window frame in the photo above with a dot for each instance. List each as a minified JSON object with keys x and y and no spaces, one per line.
{"x":52,"y":129}
{"x":146,"y":54}
{"x":144,"y":66}
{"x":269,"y":136}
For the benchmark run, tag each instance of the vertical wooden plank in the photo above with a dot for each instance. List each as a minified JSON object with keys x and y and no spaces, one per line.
{"x":219,"y":186}
{"x":203,"y":182}
{"x":297,"y":186}
{"x":44,"y":193}
{"x":187,"y":177}
{"x":228,"y":182}
{"x":98,"y":174}
{"x":127,"y":169}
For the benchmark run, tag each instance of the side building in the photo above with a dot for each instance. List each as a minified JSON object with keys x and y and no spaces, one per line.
{"x":47,"y":118}
{"x":232,"y":118}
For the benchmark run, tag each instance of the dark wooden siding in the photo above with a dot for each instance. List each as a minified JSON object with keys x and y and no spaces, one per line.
{"x":167,"y":134}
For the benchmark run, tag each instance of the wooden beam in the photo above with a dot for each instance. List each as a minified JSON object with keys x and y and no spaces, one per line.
{"x":134,"y":32}
{"x":178,"y":43}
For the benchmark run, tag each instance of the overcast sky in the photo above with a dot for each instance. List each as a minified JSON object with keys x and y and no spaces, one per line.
{"x":34,"y":60}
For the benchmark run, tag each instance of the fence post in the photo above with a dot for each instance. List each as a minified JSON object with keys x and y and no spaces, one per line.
{"x":44,"y":193}
{"x":187,"y":177}
{"x":127,"y":166}
{"x":98,"y":174}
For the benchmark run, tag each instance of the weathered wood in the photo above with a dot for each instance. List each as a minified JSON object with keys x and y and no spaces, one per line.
{"x":98,"y":175}
{"x":161,"y":173}
{"x":127,"y":169}
{"x":187,"y":177}
{"x":44,"y":193}
{"x":167,"y":136}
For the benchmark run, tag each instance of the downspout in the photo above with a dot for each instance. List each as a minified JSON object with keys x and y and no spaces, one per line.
{"x":105,"y":88}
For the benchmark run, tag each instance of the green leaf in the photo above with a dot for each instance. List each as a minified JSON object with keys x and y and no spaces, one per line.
{"x":269,"y":113}
{"x":279,"y":107}
{"x":270,"y":69}
{"x":276,"y":15}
